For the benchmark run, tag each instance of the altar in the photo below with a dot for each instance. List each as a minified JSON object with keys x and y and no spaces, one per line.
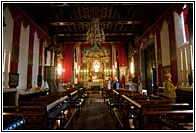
{"x":95,"y":83}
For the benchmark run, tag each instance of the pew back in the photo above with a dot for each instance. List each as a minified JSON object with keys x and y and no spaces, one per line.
{"x":35,"y":116}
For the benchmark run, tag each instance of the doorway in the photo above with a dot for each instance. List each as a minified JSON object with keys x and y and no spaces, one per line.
{"x":148,"y":65}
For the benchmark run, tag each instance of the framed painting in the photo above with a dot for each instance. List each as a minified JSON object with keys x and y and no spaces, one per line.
{"x":13,"y":79}
{"x":172,"y":51}
{"x":39,"y":80}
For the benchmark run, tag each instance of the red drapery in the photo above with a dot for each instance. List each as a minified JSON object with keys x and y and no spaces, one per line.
{"x":122,"y":54}
{"x":31,"y":44}
{"x":67,"y":61}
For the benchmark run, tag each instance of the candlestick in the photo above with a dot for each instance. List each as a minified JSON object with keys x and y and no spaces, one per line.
{"x":186,"y":59}
{"x":9,"y":61}
{"x":4,"y":61}
{"x":181,"y":59}
{"x":191,"y":57}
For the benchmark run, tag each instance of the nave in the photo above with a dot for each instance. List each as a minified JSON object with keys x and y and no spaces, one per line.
{"x":94,"y":115}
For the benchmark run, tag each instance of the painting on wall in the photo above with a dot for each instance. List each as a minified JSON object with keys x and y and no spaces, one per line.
{"x":13,"y":79}
{"x":39,"y":80}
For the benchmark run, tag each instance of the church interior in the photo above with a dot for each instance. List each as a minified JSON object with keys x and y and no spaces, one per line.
{"x":97,"y":66}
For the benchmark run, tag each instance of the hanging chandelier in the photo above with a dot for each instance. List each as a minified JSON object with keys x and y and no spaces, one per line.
{"x":95,"y":35}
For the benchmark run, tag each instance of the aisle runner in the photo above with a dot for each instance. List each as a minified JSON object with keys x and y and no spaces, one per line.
{"x":95,"y":115}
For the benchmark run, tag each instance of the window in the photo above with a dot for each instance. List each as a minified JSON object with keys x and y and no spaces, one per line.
{"x":184,"y":26}
{"x":96,"y":66}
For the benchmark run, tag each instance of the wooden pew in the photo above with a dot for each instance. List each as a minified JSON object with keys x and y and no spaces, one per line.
{"x":44,"y":117}
{"x":18,"y":124}
{"x":128,"y":93}
{"x":166,"y":123}
{"x":82,"y":95}
{"x":179,"y":114}
{"x":106,"y":93}
{"x":152,"y":101}
{"x":60,"y":116}
{"x":151,"y":112}
{"x":74,"y":100}
{"x":128,"y":116}
{"x":142,"y":112}
{"x":35,"y":116}
{"x":114,"y":100}
{"x":45,"y":99}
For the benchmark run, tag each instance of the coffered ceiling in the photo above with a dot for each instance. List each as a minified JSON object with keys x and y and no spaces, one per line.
{"x":122,"y":22}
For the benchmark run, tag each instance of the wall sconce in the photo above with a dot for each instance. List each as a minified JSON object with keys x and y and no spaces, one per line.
{"x":59,"y":69}
{"x":132,"y":68}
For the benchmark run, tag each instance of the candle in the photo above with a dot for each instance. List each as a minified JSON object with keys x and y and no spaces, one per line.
{"x":9,"y":61}
{"x":181,"y":60}
{"x":186,"y":59}
{"x":4,"y":60}
{"x":191,"y":57}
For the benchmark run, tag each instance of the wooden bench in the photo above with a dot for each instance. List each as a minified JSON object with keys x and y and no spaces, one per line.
{"x":56,"y":115}
{"x":153,"y":101}
{"x":35,"y":116}
{"x":141,"y":112}
{"x":165,"y":123}
{"x":60,"y":115}
{"x":179,"y":114}
{"x":18,"y":124}
{"x":151,"y":112}
{"x":114,"y":100}
{"x":128,"y":115}
{"x":128,"y":92}
{"x":74,"y":100}
{"x":106,"y":93}
{"x":45,"y":99}
{"x":82,"y":95}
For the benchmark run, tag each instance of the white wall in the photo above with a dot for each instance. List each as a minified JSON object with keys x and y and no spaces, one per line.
{"x":7,"y":40}
{"x":181,"y":45}
{"x":35,"y":60}
{"x":23,"y":57}
{"x":178,"y":30}
{"x":165,"y":45}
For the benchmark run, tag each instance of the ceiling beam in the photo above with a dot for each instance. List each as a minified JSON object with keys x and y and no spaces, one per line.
{"x":106,"y":34}
{"x":103,"y":21}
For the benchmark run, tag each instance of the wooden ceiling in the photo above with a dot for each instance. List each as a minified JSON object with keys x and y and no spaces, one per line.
{"x":122,"y":22}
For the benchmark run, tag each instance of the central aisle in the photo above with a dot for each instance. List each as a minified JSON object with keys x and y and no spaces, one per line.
{"x":94,"y":115}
